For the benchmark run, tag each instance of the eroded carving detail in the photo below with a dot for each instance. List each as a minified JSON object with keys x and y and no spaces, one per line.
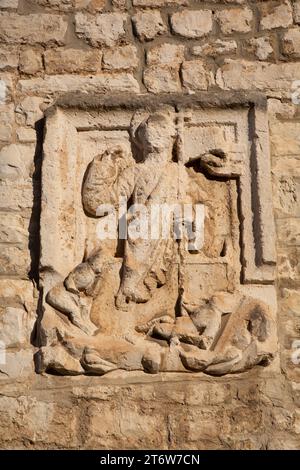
{"x":153,"y":304}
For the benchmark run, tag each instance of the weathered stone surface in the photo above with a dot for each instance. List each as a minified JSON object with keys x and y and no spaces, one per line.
{"x":296,"y":6}
{"x":16,"y":162}
{"x":26,"y":135}
{"x":195,"y":75}
{"x":31,"y":62}
{"x":162,"y":79}
{"x":55,"y":84}
{"x":208,"y":291}
{"x":12,"y":4}
{"x":237,"y":20}
{"x":148,"y":24}
{"x":192,"y":24}
{"x":30,"y":107}
{"x":165,"y":54}
{"x":61,"y":5}
{"x":31,"y":29}
{"x":9,"y":57}
{"x":261,"y":47}
{"x":278,"y":16}
{"x":246,"y":75}
{"x":216,"y":48}
{"x":291,"y":43}
{"x":121,"y":58}
{"x":285,"y":139}
{"x":132,"y":427}
{"x":72,"y":60}
{"x":158,"y":3}
{"x":106,"y":28}
{"x":7,"y":119}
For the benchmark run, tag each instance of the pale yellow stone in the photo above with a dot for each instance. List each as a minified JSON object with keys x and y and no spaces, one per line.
{"x":165,"y":54}
{"x":106,"y":28}
{"x":32,"y":28}
{"x":236,"y":20}
{"x":291,"y":43}
{"x":278,"y":16}
{"x":101,"y":83}
{"x":261,"y":47}
{"x":121,"y":58}
{"x":216,"y":48}
{"x":162,"y":79}
{"x":148,"y":24}
{"x":192,"y":23}
{"x":195,"y":75}
{"x":9,"y":57}
{"x":31,"y":62}
{"x":72,"y":60}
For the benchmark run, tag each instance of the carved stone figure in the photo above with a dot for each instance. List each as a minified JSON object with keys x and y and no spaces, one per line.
{"x":160,"y":303}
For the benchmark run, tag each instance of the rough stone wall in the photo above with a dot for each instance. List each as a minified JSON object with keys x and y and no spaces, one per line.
{"x":49,"y":48}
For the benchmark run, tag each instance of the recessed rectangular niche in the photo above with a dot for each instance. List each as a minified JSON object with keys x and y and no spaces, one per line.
{"x":153,"y":304}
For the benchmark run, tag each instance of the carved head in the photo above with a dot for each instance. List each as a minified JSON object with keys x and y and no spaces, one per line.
{"x":155,"y":134}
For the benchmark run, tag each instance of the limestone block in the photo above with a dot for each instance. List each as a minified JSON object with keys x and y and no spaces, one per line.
{"x":11,"y":4}
{"x":30,"y":107}
{"x":31,"y":61}
{"x":32,"y":29}
{"x":291,"y":43}
{"x":261,"y":47}
{"x":72,"y":60}
{"x":236,"y":20}
{"x":26,"y":135}
{"x":165,"y":54}
{"x":106,"y":28}
{"x":16,"y":162}
{"x":9,"y":57}
{"x":14,"y":261}
{"x":162,"y":79}
{"x":192,"y":23}
{"x":158,"y":3}
{"x":289,"y":266}
{"x":119,"y":4}
{"x":14,"y":229}
{"x":285,"y":138}
{"x":216,"y":48}
{"x":15,"y":198}
{"x":90,"y":5}
{"x":148,"y":24}
{"x":121,"y":58}
{"x":60,"y":5}
{"x":279,"y":16}
{"x":195,"y":75}
{"x":102,"y":83}
{"x":131,"y":427}
{"x":17,"y":364}
{"x":288,"y":231}
{"x":246,"y":75}
{"x":14,"y":329}
{"x":7,"y":119}
{"x":17,"y":293}
{"x":296,"y":6}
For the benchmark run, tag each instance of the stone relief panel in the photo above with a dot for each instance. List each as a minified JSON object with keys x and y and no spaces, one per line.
{"x":159,"y":293}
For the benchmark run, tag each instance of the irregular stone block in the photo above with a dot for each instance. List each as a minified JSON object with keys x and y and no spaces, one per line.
{"x":32,"y":29}
{"x":121,"y":58}
{"x":236,"y":20}
{"x":192,"y":23}
{"x":106,"y":28}
{"x":72,"y":60}
{"x":148,"y":24}
{"x":278,"y":16}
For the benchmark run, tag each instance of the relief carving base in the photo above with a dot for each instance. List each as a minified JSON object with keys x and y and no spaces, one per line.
{"x":154,"y":305}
